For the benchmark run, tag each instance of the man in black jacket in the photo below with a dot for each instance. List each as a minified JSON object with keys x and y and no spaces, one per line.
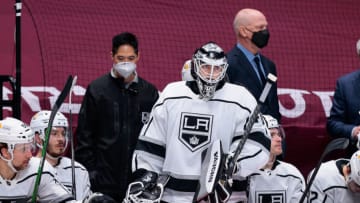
{"x":113,"y":111}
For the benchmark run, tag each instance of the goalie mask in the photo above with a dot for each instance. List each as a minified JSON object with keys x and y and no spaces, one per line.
{"x":209,"y":68}
{"x":13,"y":133}
{"x":40,"y":121}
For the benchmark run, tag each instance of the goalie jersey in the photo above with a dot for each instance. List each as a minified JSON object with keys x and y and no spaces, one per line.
{"x":64,"y":175}
{"x":20,"y":188}
{"x":182,"y":126}
{"x":329,"y":185}
{"x":282,"y":184}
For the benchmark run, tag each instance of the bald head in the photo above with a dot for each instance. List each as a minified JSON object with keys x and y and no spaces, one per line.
{"x":247,"y":17}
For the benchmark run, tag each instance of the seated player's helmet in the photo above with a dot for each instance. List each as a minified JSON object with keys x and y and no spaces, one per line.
{"x":272,"y":122}
{"x":13,"y":132}
{"x":355,"y":168}
{"x":186,"y":71}
{"x":358,"y":47}
{"x":40,"y":121}
{"x":209,"y":68}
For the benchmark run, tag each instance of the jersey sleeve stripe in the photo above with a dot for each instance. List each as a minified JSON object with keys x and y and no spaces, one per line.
{"x":151,"y":148}
{"x":182,"y":185}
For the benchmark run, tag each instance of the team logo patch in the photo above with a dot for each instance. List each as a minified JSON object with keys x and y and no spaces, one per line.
{"x":274,"y":196}
{"x":195,"y":130}
{"x":145,"y":116}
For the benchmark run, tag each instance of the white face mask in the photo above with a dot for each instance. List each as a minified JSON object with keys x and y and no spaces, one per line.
{"x":125,"y":69}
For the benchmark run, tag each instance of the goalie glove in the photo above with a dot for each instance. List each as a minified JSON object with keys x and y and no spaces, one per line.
{"x":98,"y":197}
{"x":145,"y":189}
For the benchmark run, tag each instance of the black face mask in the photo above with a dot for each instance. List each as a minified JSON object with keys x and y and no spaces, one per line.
{"x":261,"y":38}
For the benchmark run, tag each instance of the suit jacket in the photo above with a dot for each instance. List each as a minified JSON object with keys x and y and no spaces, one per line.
{"x":240,"y":71}
{"x":345,"y":111}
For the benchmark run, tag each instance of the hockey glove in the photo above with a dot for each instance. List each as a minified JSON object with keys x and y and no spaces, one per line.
{"x":144,"y":189}
{"x":98,"y":198}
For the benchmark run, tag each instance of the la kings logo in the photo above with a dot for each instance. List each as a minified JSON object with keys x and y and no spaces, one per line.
{"x":195,"y":130}
{"x":274,"y":196}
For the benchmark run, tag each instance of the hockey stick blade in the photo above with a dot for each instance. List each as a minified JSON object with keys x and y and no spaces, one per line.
{"x":199,"y":194}
{"x":339,"y":143}
{"x":64,"y":93}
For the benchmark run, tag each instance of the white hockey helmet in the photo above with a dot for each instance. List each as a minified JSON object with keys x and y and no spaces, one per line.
{"x":358,"y":47}
{"x":210,"y":66}
{"x":355,"y":168}
{"x":40,"y":121}
{"x":186,"y":71}
{"x":14,"y":131}
{"x":270,"y":121}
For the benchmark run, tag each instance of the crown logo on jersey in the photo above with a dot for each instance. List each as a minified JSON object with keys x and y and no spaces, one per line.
{"x":194,"y":140}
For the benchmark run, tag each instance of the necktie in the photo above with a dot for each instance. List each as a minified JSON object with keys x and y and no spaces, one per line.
{"x":261,"y":74}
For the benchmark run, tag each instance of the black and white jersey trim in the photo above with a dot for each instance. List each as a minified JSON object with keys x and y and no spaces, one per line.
{"x":257,"y":137}
{"x":211,"y":100}
{"x":151,"y":148}
{"x":34,"y":174}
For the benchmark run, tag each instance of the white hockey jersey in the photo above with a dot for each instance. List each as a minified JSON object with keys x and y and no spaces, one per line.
{"x":21,"y":187}
{"x":182,"y":126}
{"x":64,"y":175}
{"x":282,"y":184}
{"x":329,"y":185}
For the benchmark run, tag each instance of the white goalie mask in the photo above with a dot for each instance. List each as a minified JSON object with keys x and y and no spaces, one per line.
{"x":209,"y":68}
{"x":13,"y":132}
{"x":40,"y":121}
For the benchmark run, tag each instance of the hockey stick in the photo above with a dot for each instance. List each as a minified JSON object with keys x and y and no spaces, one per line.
{"x":207,"y":187}
{"x":72,"y":140}
{"x":339,"y":143}
{"x":54,"y":110}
